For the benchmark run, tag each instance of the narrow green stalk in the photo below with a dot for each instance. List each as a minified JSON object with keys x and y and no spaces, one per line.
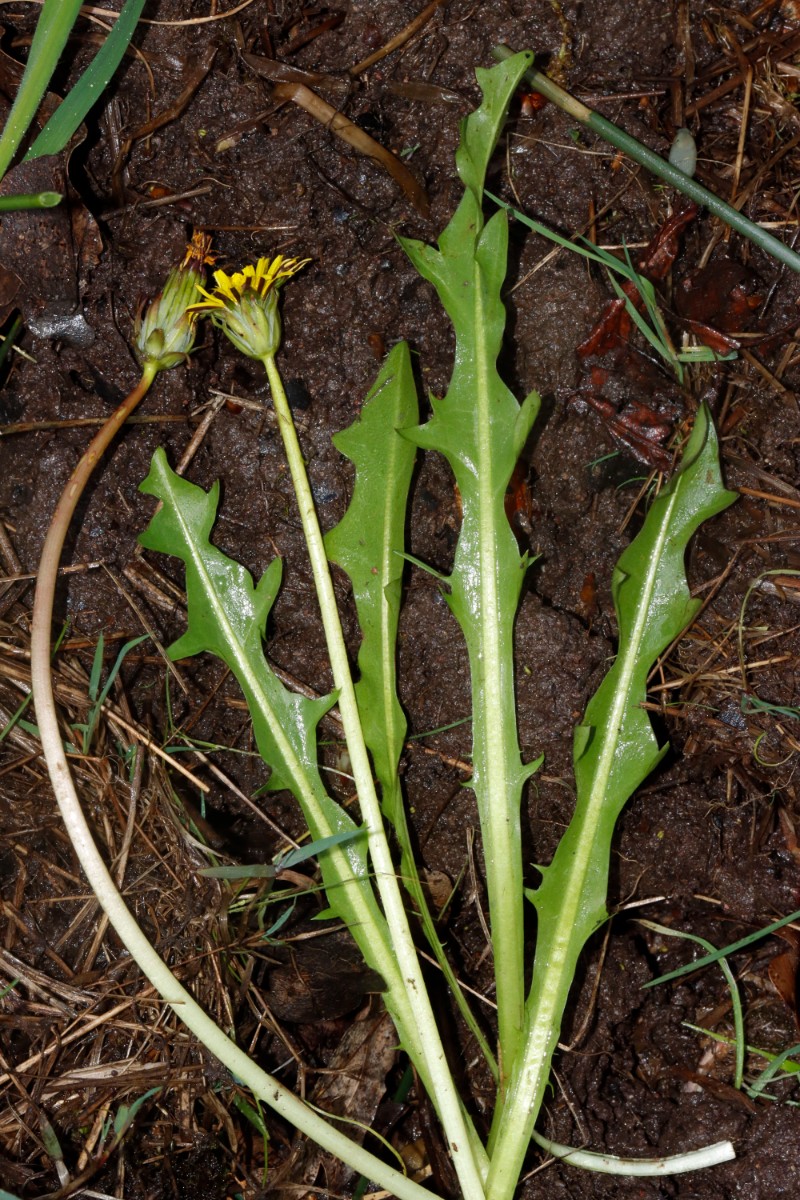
{"x":439,"y":1082}
{"x":656,"y":164}
{"x":164,"y":338}
{"x":30,"y":200}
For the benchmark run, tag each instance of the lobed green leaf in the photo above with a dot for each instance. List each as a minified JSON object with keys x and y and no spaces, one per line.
{"x":481,"y":428}
{"x":227,"y":617}
{"x":368,"y":544}
{"x":615,"y":749}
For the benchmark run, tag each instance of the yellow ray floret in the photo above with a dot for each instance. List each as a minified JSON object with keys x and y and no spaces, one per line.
{"x":244,"y":304}
{"x":260,"y":279}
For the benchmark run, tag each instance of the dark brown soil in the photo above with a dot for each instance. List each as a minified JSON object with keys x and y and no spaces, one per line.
{"x":707,"y":846}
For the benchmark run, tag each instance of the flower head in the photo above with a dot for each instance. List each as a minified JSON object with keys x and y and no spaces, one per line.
{"x":245,"y":304}
{"x":164,"y":331}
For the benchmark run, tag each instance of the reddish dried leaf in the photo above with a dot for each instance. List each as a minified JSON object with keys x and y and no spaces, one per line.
{"x":518,"y":499}
{"x":612,"y":330}
{"x":614,"y":326}
{"x":724,"y":295}
{"x":783,"y":972}
{"x":720,"y":343}
{"x":637,"y":428}
{"x":532,"y":102}
{"x":656,"y":261}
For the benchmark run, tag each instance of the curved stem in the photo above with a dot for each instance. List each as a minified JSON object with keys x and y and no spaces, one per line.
{"x":153,"y":967}
{"x":468,"y":1157}
{"x":612,"y":1164}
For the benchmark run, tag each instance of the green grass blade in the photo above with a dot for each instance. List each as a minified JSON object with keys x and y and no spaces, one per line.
{"x":480,"y":428}
{"x":659,"y":167}
{"x":707,"y":959}
{"x":615,"y":750}
{"x":769,"y":1072}
{"x":368,"y":544}
{"x":126,"y":1113}
{"x":94,"y":685}
{"x":245,"y":871}
{"x":91,"y":85}
{"x":733,"y":988}
{"x":52,"y":30}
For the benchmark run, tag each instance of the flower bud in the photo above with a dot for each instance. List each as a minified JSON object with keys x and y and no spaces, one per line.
{"x":165,"y":329}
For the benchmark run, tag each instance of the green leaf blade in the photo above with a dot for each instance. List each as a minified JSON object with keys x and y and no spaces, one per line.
{"x":368,"y":544}
{"x":227,"y":617}
{"x":480,"y":131}
{"x":615,"y":749}
{"x":89,"y":88}
{"x":654,"y":605}
{"x":49,"y":39}
{"x":480,"y":428}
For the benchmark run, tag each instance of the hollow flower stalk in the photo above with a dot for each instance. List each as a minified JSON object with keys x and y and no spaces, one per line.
{"x":245,"y":305}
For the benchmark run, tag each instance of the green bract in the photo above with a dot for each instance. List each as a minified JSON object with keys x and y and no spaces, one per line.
{"x":165,"y":327}
{"x":244,"y":305}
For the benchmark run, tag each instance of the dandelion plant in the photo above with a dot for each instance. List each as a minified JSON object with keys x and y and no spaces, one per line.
{"x":480,"y":428}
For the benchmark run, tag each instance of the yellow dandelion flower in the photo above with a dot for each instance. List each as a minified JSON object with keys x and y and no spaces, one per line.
{"x":164,"y":331}
{"x":245,"y":304}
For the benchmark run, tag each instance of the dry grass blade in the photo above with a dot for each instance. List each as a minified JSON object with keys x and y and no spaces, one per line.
{"x":80,"y":1027}
{"x":399,"y":39}
{"x":82,"y":1033}
{"x":344,"y":128}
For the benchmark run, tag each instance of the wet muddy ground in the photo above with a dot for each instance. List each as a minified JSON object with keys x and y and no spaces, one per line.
{"x":707,"y":846}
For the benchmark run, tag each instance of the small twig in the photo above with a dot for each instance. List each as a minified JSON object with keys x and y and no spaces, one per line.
{"x":399,"y":39}
{"x":350,"y":133}
{"x":81,"y":422}
{"x":71,"y":569}
{"x":770,"y":497}
{"x":743,"y":131}
{"x":148,"y":628}
{"x":171,"y":113}
{"x":145,"y":740}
